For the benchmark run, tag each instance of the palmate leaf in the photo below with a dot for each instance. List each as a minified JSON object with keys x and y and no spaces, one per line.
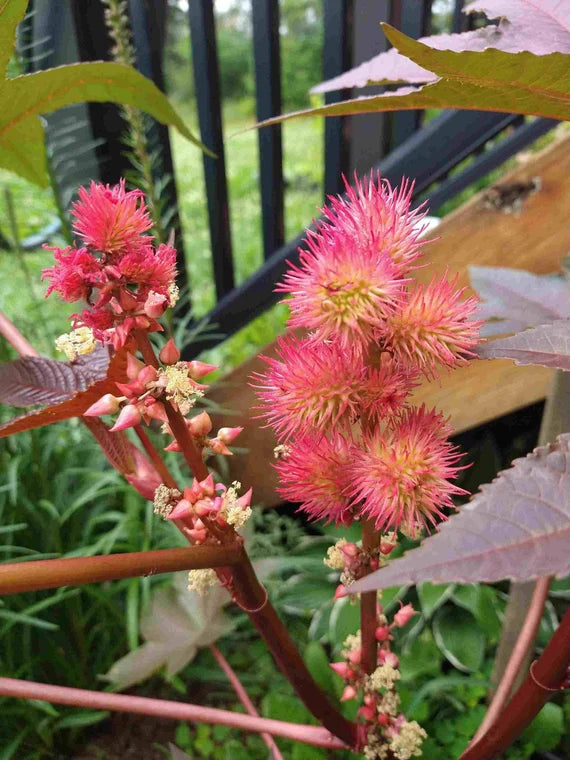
{"x":24,"y":98}
{"x":11,"y":13}
{"x":490,"y":80}
{"x":33,"y":380}
{"x":514,"y":299}
{"x":547,"y":345}
{"x":517,"y":528}
{"x":73,"y":406}
{"x":538,"y":28}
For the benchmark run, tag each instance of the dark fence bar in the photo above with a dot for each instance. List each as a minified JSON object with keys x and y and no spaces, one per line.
{"x":148,"y":23}
{"x":336,"y":60}
{"x":490,"y":159}
{"x":208,"y":96}
{"x":268,"y":90}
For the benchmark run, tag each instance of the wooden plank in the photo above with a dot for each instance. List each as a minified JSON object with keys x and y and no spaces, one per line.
{"x":535,"y":238}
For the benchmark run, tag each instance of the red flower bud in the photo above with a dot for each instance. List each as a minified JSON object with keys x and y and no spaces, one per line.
{"x":227,"y":435}
{"x":382,"y":633}
{"x":341,"y":668}
{"x":199,"y":425}
{"x":129,"y":417}
{"x":107,"y":404}
{"x":198,"y":369}
{"x":169,"y":354}
{"x":348,"y":693}
{"x":404,"y":615}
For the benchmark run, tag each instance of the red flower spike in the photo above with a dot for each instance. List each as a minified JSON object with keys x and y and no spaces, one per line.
{"x":110,"y":219}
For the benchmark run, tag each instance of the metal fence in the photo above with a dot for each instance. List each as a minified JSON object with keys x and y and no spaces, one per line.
{"x":427,"y":153}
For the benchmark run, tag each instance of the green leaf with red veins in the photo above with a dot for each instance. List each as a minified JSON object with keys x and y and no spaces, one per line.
{"x":25,"y":98}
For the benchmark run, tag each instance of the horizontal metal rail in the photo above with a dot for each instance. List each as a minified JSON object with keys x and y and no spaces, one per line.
{"x":17,"y":577}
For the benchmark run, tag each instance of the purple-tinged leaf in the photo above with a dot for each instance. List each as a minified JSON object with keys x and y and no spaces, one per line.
{"x":513,"y":299}
{"x":72,"y":406}
{"x":517,"y":527}
{"x":33,"y":380}
{"x":547,"y":345}
{"x":539,"y":28}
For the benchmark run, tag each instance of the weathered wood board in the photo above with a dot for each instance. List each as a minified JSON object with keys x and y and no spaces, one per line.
{"x":534,"y":238}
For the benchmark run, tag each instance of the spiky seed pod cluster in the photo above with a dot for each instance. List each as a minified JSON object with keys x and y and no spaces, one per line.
{"x":339,"y":398}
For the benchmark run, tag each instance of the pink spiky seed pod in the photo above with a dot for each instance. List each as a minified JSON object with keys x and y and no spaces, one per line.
{"x":378,"y":215}
{"x":385,"y":388}
{"x":314,"y":474}
{"x":341,"y":290}
{"x":111,"y":219}
{"x":310,"y":388}
{"x":434,"y":326}
{"x":400,"y":476}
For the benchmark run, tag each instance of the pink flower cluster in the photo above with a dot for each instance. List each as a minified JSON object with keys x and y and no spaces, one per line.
{"x":204,"y":502}
{"x":338,"y":395}
{"x":126,"y":280}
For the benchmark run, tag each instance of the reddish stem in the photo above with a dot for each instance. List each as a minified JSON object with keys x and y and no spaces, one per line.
{"x":155,"y":458}
{"x":18,"y":577}
{"x":15,"y":337}
{"x":251,"y":595}
{"x":368,"y":606}
{"x":520,"y":651}
{"x":162,"y":708}
{"x":244,"y":698}
{"x":545,"y":677}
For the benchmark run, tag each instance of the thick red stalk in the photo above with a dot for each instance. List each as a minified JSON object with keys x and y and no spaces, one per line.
{"x":244,"y":698}
{"x":518,"y":656}
{"x":17,"y":577}
{"x":545,"y":677}
{"x":15,"y":337}
{"x":368,"y":605}
{"x":162,"y":708}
